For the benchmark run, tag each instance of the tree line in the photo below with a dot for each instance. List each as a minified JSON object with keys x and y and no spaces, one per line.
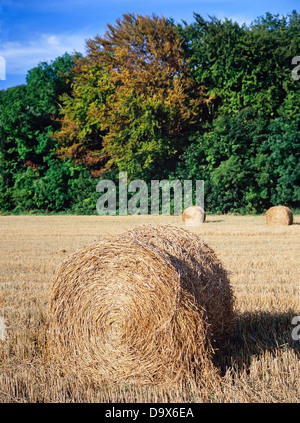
{"x":212,"y":100}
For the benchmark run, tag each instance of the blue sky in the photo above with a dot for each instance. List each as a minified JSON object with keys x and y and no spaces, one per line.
{"x":32,"y":31}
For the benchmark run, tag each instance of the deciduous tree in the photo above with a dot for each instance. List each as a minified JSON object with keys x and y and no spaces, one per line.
{"x":134,"y":101}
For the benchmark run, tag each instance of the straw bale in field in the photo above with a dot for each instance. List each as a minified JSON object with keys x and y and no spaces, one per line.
{"x":279,"y":215}
{"x":193,"y":216}
{"x":138,"y":307}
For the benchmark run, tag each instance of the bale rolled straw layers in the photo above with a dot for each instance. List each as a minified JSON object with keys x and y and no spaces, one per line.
{"x":279,"y":215}
{"x":127,"y":310}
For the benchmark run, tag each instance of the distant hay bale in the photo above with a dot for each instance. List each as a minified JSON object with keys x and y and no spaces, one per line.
{"x":193,"y":216}
{"x":129,"y":308}
{"x":279,"y":215}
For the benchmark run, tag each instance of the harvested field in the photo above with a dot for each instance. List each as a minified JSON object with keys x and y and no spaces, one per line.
{"x":260,"y":364}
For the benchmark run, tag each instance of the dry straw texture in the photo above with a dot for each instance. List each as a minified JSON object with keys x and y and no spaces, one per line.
{"x":201,"y":272}
{"x":140,"y":307}
{"x":193,"y":216}
{"x":279,"y":215}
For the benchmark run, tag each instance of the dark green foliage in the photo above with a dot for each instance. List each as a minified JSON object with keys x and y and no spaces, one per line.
{"x":284,"y":159}
{"x":229,"y":159}
{"x":31,"y":176}
{"x":244,"y":66}
{"x":249,"y":158}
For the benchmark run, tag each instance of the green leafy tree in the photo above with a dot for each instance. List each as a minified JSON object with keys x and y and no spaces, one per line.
{"x":230,"y":160}
{"x":245,"y":66}
{"x":12,"y":107}
{"x":28,"y":117}
{"x":283,"y":147}
{"x":249,"y":157}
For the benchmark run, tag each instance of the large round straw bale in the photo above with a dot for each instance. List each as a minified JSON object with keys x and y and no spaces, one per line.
{"x":279,"y":215}
{"x":201,"y":272}
{"x":193,"y":216}
{"x":120,"y":310}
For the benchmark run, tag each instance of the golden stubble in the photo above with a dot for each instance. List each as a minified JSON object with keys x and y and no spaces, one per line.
{"x":260,"y":364}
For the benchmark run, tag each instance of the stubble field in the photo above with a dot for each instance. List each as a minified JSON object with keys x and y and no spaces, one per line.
{"x":260,"y":364}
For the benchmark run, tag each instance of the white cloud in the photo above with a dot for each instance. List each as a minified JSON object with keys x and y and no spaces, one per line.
{"x":240,"y":19}
{"x":23,"y":56}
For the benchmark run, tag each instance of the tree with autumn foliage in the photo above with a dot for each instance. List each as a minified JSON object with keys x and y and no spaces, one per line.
{"x":134,"y":102}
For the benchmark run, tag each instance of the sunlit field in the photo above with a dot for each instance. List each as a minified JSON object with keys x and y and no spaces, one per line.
{"x":261,"y":362}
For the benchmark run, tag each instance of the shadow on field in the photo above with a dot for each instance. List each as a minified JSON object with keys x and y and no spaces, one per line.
{"x":213,"y":221}
{"x":254,"y":334}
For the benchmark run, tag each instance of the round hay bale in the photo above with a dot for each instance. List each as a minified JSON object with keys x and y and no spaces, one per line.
{"x":193,"y":216}
{"x":279,"y":215}
{"x":122,"y":312}
{"x":201,"y":272}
